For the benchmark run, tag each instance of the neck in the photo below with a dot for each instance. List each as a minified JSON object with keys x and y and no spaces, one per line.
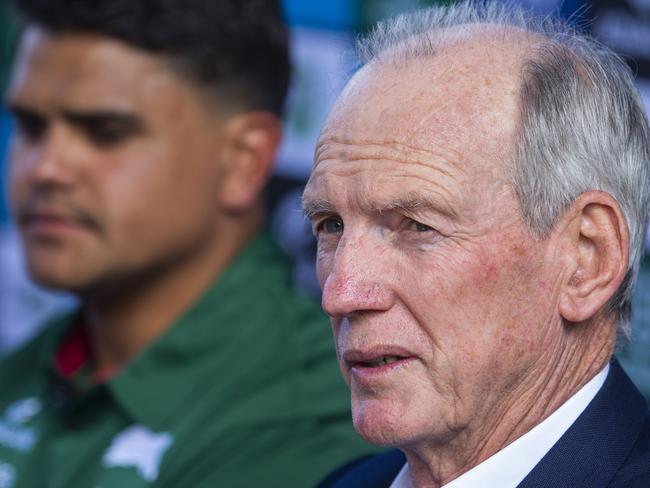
{"x":126,"y":317}
{"x":583,"y":354}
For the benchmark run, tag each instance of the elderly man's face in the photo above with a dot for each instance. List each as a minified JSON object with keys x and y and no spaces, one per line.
{"x":114,"y":162}
{"x":439,"y":298}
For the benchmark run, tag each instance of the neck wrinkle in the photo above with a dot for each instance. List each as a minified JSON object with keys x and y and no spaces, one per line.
{"x":584,"y":351}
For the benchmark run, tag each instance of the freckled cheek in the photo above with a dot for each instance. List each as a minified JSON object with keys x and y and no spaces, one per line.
{"x":485,"y":271}
{"x":465,"y":290}
{"x":484,"y":265}
{"x":504,"y":295}
{"x":484,"y":275}
{"x":459,"y":275}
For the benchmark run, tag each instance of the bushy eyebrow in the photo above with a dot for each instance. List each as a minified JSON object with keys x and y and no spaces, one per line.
{"x":98,"y":117}
{"x":84,"y":118}
{"x":408,"y":203}
{"x":311,"y":208}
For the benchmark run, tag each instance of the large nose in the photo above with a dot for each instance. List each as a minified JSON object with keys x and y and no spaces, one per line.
{"x":357,"y":279}
{"x":46,"y":162}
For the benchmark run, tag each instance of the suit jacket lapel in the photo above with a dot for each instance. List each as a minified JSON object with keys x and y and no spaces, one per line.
{"x":590,"y":453}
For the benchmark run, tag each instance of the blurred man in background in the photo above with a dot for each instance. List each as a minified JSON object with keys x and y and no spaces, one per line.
{"x":144,"y":135}
{"x":480,"y":198}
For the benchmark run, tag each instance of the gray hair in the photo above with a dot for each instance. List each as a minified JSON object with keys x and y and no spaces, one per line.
{"x":583,"y":126}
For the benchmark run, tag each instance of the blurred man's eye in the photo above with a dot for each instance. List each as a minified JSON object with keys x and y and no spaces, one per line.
{"x":105,"y":129}
{"x":109,"y":133}
{"x":28,"y":125}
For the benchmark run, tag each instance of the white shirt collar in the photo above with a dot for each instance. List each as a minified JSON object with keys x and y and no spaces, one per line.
{"x":508,"y":467}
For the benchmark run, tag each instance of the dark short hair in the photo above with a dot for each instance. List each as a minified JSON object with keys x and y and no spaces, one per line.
{"x":235,"y":48}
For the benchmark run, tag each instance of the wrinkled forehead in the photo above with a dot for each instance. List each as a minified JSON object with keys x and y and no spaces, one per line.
{"x":462,"y":101}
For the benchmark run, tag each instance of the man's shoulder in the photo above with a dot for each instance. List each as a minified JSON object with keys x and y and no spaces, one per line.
{"x":635,"y":472}
{"x":376,"y":471}
{"x":607,"y":446}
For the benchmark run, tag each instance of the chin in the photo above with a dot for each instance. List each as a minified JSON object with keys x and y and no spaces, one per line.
{"x":384,"y":422}
{"x":55,"y":282}
{"x":56,"y":279}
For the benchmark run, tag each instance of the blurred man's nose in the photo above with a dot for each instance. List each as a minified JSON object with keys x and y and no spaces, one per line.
{"x":356,"y":281}
{"x":46,"y":161}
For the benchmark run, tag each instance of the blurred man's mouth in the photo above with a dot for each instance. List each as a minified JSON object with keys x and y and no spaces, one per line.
{"x":47,"y":223}
{"x":52,"y":222}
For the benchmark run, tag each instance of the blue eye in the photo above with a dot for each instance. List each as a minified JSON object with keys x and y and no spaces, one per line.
{"x":418,"y":227}
{"x":415,"y":226}
{"x":332,"y":225}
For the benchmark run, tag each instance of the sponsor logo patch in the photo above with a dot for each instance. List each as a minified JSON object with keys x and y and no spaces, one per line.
{"x":13,"y":433}
{"x":7,"y":475}
{"x":140,"y":448}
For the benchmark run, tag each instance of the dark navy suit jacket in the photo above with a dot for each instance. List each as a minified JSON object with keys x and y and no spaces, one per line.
{"x":608,"y":446}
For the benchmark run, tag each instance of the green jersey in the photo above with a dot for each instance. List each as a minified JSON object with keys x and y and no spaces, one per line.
{"x":243,"y":391}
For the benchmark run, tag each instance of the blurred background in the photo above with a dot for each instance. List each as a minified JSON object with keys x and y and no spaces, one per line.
{"x":323,"y":36}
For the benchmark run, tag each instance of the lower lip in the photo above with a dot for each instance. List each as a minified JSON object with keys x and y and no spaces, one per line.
{"x":368,"y":373}
{"x":45,"y":227}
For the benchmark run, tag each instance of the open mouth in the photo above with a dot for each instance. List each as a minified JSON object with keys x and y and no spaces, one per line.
{"x":381,"y":361}
{"x":378,"y":360}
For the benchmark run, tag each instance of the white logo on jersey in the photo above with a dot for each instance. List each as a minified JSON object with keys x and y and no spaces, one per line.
{"x":7,"y":475}
{"x":21,"y":411}
{"x":13,"y":434}
{"x":140,"y":448}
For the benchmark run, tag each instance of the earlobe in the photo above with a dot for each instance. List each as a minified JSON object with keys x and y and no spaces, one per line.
{"x":600,"y":239}
{"x":252,"y":142}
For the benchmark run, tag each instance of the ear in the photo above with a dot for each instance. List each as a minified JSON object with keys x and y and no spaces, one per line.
{"x":252,"y":140}
{"x":598,"y":237}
